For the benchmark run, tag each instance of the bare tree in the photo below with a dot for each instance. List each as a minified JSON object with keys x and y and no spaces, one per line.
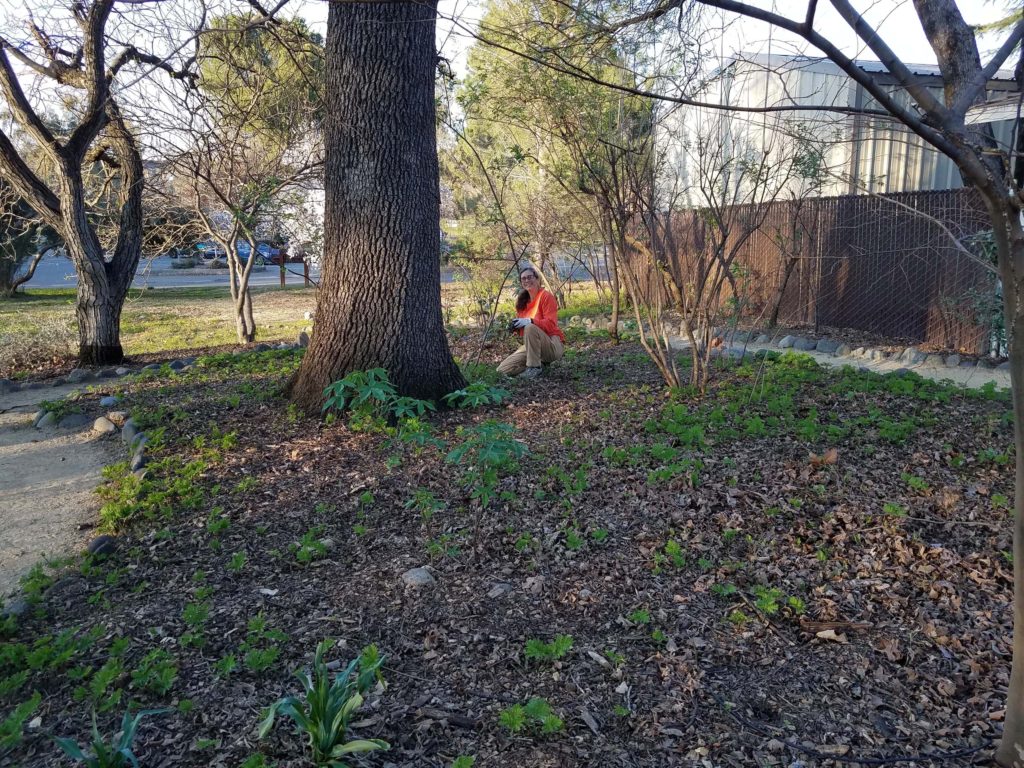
{"x":74,"y":58}
{"x":941,"y":122}
{"x":245,"y":137}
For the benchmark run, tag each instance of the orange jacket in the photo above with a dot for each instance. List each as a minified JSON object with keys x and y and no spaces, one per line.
{"x":543,"y":311}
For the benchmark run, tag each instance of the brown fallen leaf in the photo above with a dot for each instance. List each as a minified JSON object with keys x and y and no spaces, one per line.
{"x":831,"y":456}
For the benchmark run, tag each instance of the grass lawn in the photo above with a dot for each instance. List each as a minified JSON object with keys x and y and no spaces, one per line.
{"x":802,"y":565}
{"x":39,"y":327}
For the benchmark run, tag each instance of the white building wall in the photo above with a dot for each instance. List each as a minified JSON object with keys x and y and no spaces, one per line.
{"x":861,"y":153}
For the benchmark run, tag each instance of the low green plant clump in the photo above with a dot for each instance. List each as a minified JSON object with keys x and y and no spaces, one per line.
{"x":115,"y":752}
{"x":170,"y":485}
{"x":323,"y":712}
{"x":536,"y":715}
{"x":538,"y":650}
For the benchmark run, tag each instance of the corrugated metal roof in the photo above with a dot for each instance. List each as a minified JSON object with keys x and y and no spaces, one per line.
{"x":868,"y":65}
{"x":994,"y":111}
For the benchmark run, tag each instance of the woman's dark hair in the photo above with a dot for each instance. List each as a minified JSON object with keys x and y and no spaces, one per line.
{"x":523,"y":299}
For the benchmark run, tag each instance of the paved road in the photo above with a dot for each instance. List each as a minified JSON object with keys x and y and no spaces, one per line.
{"x":56,"y":272}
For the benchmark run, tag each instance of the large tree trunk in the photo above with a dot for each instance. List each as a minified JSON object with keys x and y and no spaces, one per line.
{"x":99,"y":326}
{"x":380,"y":292}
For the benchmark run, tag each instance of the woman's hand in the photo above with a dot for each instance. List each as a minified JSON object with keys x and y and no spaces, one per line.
{"x":522,"y":322}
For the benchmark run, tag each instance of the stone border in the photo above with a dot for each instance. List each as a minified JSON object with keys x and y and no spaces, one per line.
{"x":907,"y":356}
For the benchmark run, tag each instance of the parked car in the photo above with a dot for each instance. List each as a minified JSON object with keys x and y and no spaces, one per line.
{"x":210,"y":250}
{"x":264,"y":252}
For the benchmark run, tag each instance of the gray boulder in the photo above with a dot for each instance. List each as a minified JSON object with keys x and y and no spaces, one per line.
{"x":787,"y":342}
{"x":15,"y":609}
{"x":122,"y":371}
{"x":804,"y":345}
{"x":934,"y":360}
{"x":39,"y":416}
{"x":913,"y":356}
{"x":74,"y":421}
{"x":78,"y":375}
{"x":827,"y":346}
{"x":152,"y":367}
{"x":104,"y":426}
{"x":843,"y":350}
{"x":138,"y":442}
{"x":764,"y":338}
{"x":108,"y":402}
{"x":953,"y":361}
{"x":107,"y":373}
{"x":418,"y":577}
{"x":129,"y":431}
{"x":49,"y":419}
{"x":6,"y":385}
{"x":102,"y":545}
{"x":177,"y":365}
{"x":262,"y":348}
{"x":139,"y":461}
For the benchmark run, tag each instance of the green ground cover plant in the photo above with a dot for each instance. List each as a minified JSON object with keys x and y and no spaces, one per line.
{"x":691,"y":548}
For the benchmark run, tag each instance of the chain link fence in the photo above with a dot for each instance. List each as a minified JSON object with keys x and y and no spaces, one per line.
{"x":911,"y":266}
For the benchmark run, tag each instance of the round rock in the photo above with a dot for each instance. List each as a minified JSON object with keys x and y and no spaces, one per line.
{"x":78,"y":375}
{"x":102,"y":545}
{"x":418,"y":577}
{"x":104,"y":426}
{"x":108,"y":402}
{"x":128,"y":431}
{"x":49,"y":420}
{"x":16,"y":609}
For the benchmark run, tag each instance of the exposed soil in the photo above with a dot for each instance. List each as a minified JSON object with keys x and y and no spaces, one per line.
{"x":47,"y":483}
{"x":895,"y":644}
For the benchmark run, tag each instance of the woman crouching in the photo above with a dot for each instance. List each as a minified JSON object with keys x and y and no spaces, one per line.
{"x":537,"y":324}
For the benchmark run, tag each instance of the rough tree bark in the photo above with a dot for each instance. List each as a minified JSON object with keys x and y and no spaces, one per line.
{"x":380,"y":294}
{"x":102,"y":282}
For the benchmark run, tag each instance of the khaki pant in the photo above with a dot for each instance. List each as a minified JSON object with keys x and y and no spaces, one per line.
{"x":537,"y":348}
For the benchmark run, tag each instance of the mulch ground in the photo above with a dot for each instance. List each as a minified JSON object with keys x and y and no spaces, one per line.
{"x":818,"y":607}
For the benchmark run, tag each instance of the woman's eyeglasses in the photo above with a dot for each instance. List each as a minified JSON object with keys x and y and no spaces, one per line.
{"x":527,"y":278}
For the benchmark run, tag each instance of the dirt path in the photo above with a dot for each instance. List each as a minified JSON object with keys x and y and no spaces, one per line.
{"x":47,"y":479}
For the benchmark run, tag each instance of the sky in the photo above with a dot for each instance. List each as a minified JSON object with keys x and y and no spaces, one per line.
{"x":895,"y":19}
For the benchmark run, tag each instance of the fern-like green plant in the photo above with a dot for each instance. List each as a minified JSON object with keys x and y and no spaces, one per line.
{"x":117,"y":753}
{"x":537,"y":650}
{"x":324,"y":712}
